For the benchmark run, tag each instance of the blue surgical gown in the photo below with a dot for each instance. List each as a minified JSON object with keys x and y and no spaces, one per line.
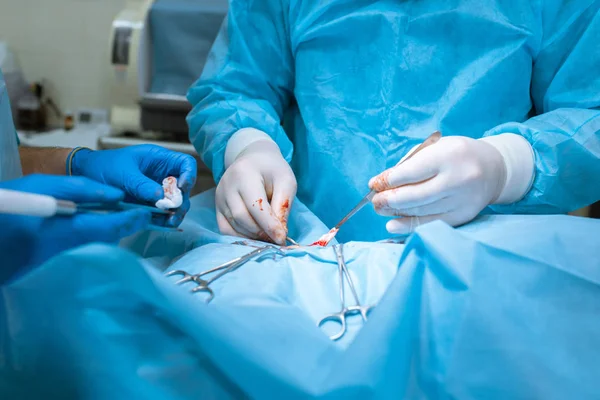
{"x":10,"y":162}
{"x":346,"y":88}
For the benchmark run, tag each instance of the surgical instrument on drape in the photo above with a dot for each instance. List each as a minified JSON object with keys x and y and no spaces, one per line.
{"x":223,"y":269}
{"x":340,"y":317}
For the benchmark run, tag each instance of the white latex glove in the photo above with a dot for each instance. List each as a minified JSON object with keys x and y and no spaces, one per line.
{"x":254,"y":196}
{"x":453,"y":180}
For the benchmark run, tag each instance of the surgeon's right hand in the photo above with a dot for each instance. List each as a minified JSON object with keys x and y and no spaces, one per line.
{"x":26,"y":242}
{"x":254,"y":196}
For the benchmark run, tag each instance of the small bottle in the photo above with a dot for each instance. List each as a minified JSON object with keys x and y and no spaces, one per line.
{"x":69,"y":122}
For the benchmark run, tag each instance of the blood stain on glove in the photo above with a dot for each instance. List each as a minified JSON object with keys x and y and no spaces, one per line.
{"x":259,"y":202}
{"x":173,"y":197}
{"x":326,"y":238}
{"x":381,"y":182}
{"x":284,"y":212}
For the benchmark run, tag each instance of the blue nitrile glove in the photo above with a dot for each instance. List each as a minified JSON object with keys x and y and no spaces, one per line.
{"x":26,"y":242}
{"x":139,"y":172}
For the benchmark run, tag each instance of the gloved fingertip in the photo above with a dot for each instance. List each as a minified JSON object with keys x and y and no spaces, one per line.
{"x":147,"y":191}
{"x":380,"y":202}
{"x":158,"y":194}
{"x":398,"y":226}
{"x":371,"y":183}
{"x":264,"y":237}
{"x":280,"y":242}
{"x":186,"y":182}
{"x":280,"y":236}
{"x":272,"y":235}
{"x":380,"y":183}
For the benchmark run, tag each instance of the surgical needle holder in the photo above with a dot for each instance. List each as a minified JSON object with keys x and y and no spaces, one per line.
{"x":340,"y":317}
{"x":38,"y":205}
{"x":223,"y":269}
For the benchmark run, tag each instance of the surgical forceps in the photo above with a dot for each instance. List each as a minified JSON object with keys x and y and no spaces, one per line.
{"x":340,"y":317}
{"x":230,"y":266}
{"x":432,"y":139}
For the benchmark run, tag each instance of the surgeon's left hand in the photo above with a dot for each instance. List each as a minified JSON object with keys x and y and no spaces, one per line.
{"x":451,"y":180}
{"x":139,"y":171}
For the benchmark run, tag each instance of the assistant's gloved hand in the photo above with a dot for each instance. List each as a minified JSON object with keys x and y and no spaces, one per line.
{"x":139,"y":172}
{"x":254,"y":197}
{"x":453,"y":180}
{"x":29,"y":241}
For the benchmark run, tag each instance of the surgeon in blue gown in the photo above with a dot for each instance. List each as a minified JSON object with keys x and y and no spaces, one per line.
{"x":317,"y":99}
{"x":132,"y":173}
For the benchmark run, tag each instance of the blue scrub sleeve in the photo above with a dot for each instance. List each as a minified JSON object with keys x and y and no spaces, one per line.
{"x":246,"y":83}
{"x":565,"y":92}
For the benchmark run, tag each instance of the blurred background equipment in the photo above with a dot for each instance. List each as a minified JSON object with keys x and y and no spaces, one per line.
{"x":13,"y":75}
{"x":157,"y":50}
{"x":33,"y":108}
{"x":79,"y":76}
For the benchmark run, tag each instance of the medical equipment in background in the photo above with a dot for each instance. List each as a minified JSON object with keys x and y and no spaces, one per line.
{"x":39,"y":205}
{"x":30,"y":102}
{"x":157,"y":51}
{"x":33,"y":109}
{"x":340,"y":317}
{"x":230,"y":266}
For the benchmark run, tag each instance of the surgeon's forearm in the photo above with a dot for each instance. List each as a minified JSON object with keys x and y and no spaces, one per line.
{"x":43,"y":160}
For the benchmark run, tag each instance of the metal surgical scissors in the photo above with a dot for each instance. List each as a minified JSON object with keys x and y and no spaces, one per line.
{"x":340,"y":317}
{"x":203,"y":285}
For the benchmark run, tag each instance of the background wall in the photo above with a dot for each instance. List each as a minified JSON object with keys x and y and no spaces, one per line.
{"x":64,"y":42}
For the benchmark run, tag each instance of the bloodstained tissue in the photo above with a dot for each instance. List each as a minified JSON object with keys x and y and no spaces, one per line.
{"x":326,"y":238}
{"x":173,"y":197}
